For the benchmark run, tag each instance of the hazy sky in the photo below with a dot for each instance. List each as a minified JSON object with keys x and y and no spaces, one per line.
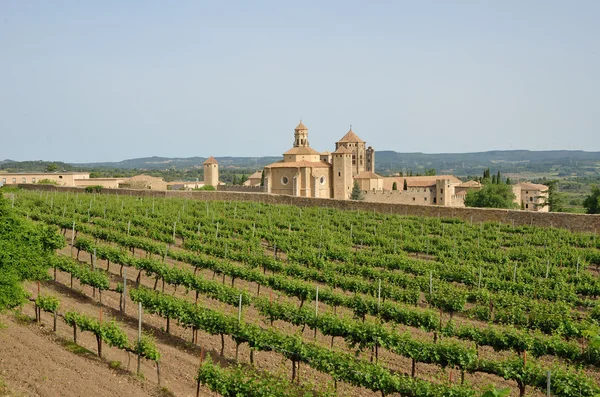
{"x":86,"y":81}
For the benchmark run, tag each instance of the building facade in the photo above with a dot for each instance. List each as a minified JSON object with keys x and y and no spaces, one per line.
{"x":532,"y":196}
{"x":59,"y":178}
{"x":305,"y":172}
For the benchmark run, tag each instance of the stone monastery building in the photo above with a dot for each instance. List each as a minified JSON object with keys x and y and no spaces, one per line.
{"x":308,"y":173}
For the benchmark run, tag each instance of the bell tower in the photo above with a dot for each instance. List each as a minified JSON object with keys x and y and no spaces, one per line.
{"x":301,"y":136}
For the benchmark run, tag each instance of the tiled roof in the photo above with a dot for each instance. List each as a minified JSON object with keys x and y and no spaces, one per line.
{"x":532,"y":186}
{"x":367,"y":175}
{"x":343,"y":150}
{"x":417,"y":181}
{"x":256,"y":175}
{"x":351,"y":137}
{"x":470,"y":184}
{"x":302,"y":150}
{"x":299,"y":164}
{"x":211,"y":160}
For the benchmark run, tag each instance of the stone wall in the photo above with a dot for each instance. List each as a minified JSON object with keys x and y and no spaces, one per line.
{"x":241,"y":188}
{"x":574,"y":222}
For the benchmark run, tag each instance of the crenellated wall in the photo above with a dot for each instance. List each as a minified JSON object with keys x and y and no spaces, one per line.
{"x":574,"y":222}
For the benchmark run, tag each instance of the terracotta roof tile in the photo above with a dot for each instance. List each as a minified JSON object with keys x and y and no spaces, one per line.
{"x":299,"y":164}
{"x":532,"y":186}
{"x":302,"y":150}
{"x":367,"y":175}
{"x":470,"y":184}
{"x":351,"y":137}
{"x":417,"y":181}
{"x":343,"y":150}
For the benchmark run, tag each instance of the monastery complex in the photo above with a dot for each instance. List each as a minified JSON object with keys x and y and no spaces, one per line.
{"x":306,"y":172}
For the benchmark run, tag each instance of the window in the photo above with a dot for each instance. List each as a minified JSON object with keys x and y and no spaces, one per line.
{"x":530,"y":199}
{"x":526,"y":205}
{"x":284,"y":180}
{"x":339,"y":174}
{"x":24,"y":180}
{"x":14,"y":180}
{"x":442,"y":191}
{"x":424,"y":198}
{"x":526,"y":192}
{"x":60,"y":177}
{"x":414,"y":199}
{"x":33,"y":180}
{"x":434,"y":200}
{"x":322,"y":180}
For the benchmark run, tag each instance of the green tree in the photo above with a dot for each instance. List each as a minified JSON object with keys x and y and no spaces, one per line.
{"x":51,"y":167}
{"x":262,"y":178}
{"x":494,"y":179}
{"x":357,"y":194}
{"x":592,"y":202}
{"x":394,"y":186}
{"x":429,"y":171}
{"x":491,"y":196}
{"x":498,"y":178}
{"x":405,"y":187}
{"x":508,"y":181}
{"x":555,"y":200}
{"x":243,"y":179}
{"x":234,"y":180}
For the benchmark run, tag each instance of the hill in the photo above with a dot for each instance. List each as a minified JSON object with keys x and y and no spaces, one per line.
{"x":558,"y":162}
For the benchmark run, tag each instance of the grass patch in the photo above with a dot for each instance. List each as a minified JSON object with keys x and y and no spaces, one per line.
{"x":115,"y":364}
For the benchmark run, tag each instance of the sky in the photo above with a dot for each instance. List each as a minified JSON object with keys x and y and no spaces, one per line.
{"x":84,"y":81}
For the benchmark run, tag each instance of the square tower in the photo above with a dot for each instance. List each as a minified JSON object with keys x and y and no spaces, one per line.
{"x":211,"y":172}
{"x":342,"y":173}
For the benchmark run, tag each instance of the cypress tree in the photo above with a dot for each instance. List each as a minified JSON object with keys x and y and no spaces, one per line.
{"x":394,"y":186}
{"x":405,"y":185}
{"x":498,"y":179}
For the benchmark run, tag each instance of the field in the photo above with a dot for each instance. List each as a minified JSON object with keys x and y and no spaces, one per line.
{"x":315,"y":301}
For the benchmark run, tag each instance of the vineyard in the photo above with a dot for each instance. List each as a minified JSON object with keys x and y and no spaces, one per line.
{"x":276,"y":300}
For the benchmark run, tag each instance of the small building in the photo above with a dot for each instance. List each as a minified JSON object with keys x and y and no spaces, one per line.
{"x":59,"y":178}
{"x":254,"y":179}
{"x":369,"y":181}
{"x":143,"y":181}
{"x":107,"y":183}
{"x":532,"y":196}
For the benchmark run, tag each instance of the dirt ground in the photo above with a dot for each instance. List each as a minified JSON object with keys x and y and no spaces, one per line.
{"x":36,"y":362}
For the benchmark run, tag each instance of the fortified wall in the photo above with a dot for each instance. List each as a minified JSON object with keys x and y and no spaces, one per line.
{"x":574,"y":222}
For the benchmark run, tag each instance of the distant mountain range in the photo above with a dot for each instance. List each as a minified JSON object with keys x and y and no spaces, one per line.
{"x":567,"y":162}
